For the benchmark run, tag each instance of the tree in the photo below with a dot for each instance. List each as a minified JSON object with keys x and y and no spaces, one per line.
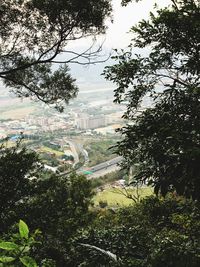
{"x":58,"y":206}
{"x":17,"y":165}
{"x":154,"y":232}
{"x":60,"y":201}
{"x":163,"y":140}
{"x":33,"y":33}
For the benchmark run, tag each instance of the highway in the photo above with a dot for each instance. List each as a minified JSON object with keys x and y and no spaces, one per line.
{"x":94,"y":171}
{"x":73,"y":147}
{"x":102,"y":168}
{"x":106,"y":164}
{"x":102,"y":172}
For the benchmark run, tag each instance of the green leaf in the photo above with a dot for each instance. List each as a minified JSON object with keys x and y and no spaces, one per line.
{"x":23,"y":229}
{"x":28,"y":261}
{"x":5,"y":259}
{"x":8,"y":246}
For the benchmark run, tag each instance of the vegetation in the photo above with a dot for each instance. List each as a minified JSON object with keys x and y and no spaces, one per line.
{"x":118,"y":197}
{"x":58,"y":206}
{"x":163,"y":141}
{"x":107,"y":179}
{"x":39,"y":32}
{"x":16,"y":252}
{"x":49,"y":158}
{"x":155,"y":233}
{"x":100,"y":151}
{"x":16,"y":168}
{"x":52,"y":151}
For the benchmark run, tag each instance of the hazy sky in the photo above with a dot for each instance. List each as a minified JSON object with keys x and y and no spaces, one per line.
{"x":125,"y":17}
{"x":117,"y":36}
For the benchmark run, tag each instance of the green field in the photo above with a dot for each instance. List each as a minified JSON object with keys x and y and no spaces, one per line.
{"x":116,"y":197}
{"x":99,"y":151}
{"x":50,"y":150}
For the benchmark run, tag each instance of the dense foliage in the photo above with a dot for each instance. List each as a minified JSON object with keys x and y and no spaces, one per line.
{"x":163,"y":141}
{"x":17,"y":165}
{"x":33,"y":33}
{"x":153,"y":233}
{"x":58,"y":206}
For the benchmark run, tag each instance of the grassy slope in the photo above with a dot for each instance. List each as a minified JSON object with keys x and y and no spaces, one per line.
{"x":115,"y":197}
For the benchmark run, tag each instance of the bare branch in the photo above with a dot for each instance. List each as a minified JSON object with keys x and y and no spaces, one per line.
{"x":39,"y":96}
{"x":175,"y":4}
{"x":177,"y":80}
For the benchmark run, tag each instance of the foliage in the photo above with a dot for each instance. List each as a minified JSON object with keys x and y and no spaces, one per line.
{"x":52,"y":145}
{"x":17,"y":165}
{"x":108,"y":178}
{"x":154,"y":232}
{"x":16,"y":252}
{"x":103,"y":204}
{"x":162,"y":141}
{"x":100,"y":151}
{"x":58,"y":201}
{"x":33,"y":33}
{"x":56,"y":205}
{"x":49,"y":159}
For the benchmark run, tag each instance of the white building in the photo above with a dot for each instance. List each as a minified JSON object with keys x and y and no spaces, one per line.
{"x":87,"y":122}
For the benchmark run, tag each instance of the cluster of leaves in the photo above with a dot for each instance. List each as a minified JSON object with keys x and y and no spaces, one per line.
{"x":163,"y":141}
{"x":58,"y":208}
{"x":16,"y":252}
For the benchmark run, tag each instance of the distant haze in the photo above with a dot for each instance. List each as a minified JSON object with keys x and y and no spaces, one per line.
{"x":117,"y":36}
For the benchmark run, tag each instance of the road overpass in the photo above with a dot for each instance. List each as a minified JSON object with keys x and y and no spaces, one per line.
{"x":102,"y":168}
{"x":105,"y":164}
